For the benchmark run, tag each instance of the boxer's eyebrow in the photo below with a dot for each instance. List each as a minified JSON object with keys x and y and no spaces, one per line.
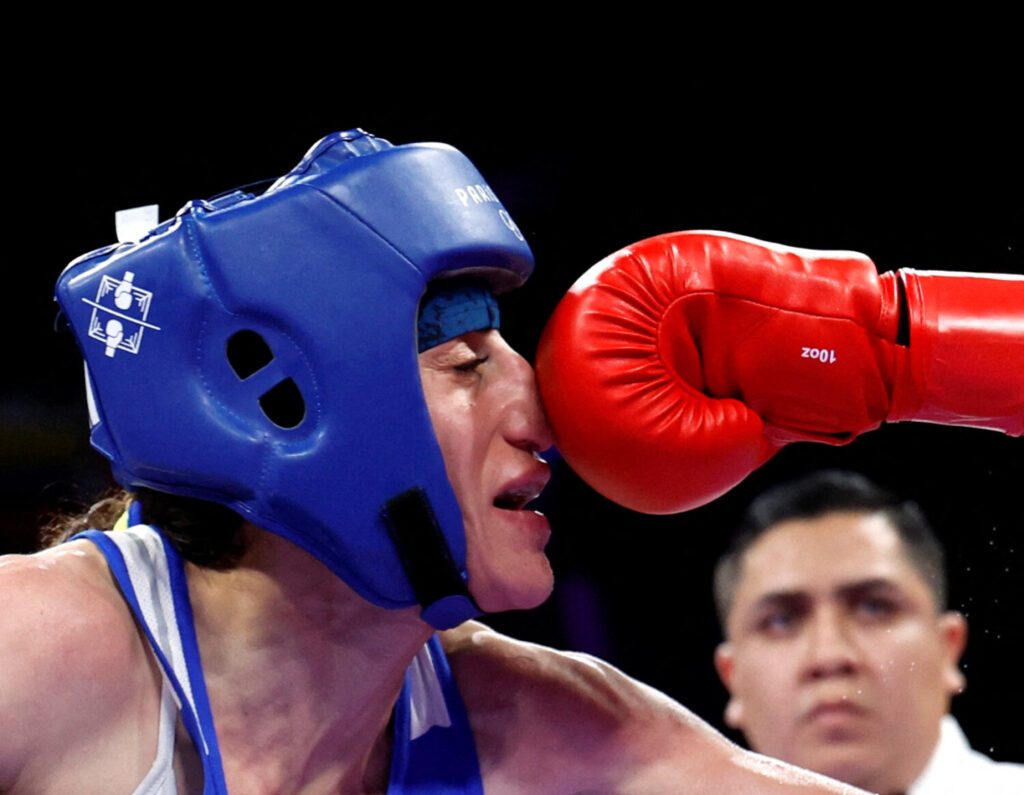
{"x":448,"y":354}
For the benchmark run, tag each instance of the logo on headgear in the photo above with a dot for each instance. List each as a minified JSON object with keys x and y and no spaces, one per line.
{"x":119,"y":314}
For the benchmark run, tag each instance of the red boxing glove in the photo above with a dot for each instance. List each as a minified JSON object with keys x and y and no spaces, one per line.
{"x":675,"y":367}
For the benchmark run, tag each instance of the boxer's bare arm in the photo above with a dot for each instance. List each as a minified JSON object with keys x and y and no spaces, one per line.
{"x":547,"y":721}
{"x":76,"y":684}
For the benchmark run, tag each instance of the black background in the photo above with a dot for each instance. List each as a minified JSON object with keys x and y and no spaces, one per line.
{"x":920,"y":168}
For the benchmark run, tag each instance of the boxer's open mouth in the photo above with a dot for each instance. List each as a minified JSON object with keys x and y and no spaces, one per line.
{"x":512,"y":501}
{"x":518,"y":496}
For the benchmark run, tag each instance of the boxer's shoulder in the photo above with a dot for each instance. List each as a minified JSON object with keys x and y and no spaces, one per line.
{"x":62,"y":598}
{"x":72,"y":662}
{"x":492,"y":669}
{"x":546,"y":719}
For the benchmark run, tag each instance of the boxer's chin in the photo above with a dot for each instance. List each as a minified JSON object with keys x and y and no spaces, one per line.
{"x":513,"y":596}
{"x":514,"y":576}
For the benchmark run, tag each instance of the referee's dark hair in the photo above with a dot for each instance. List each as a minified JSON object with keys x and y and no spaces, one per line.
{"x":831,"y":491}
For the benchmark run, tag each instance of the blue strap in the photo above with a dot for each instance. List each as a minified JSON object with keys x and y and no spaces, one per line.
{"x":444,"y":760}
{"x":453,"y":307}
{"x":197,"y":717}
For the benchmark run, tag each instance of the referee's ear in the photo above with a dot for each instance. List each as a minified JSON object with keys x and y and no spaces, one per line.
{"x":952,"y":627}
{"x":726,"y":665}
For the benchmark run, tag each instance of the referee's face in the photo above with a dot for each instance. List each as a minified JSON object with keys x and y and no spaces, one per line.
{"x":837,"y":658}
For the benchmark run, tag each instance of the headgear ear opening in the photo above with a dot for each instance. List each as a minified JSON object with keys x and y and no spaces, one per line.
{"x":235,"y":351}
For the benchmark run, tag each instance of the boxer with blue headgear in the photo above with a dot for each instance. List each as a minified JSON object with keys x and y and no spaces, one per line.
{"x":323,"y":361}
{"x":259,"y":318}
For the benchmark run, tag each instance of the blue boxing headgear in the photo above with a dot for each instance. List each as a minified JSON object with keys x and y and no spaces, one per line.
{"x":261,"y":352}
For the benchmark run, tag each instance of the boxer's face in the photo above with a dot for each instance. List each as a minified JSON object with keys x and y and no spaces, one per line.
{"x":486,"y":411}
{"x":837,"y":659}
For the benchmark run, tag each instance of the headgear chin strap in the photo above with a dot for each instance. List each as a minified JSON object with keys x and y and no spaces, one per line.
{"x":260,"y":352}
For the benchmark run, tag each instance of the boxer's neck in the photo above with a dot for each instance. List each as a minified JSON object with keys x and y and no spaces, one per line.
{"x":301,"y":671}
